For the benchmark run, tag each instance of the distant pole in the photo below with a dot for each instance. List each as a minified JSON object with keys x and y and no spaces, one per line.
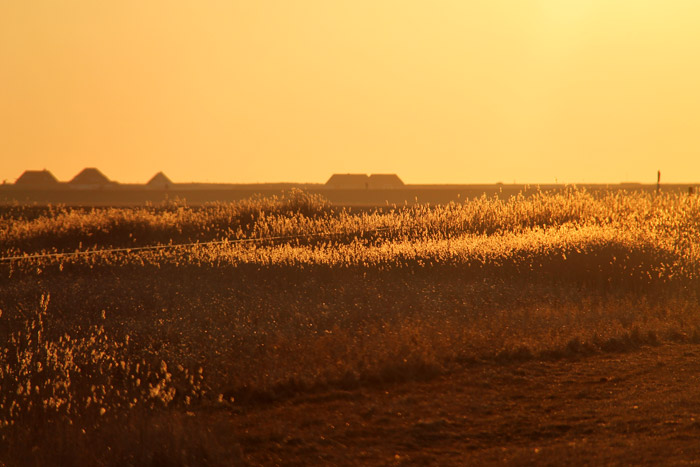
{"x":658,"y":182}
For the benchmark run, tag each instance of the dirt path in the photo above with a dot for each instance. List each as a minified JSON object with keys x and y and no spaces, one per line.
{"x":641,"y":407}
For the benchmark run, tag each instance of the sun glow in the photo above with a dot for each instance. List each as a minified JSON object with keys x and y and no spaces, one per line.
{"x":566,"y":12}
{"x":460,"y":92}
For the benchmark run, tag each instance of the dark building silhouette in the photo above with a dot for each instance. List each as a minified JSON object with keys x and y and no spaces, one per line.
{"x":90,"y":177}
{"x":37,"y":179}
{"x":385,"y":181}
{"x":348,"y":181}
{"x":159,"y":181}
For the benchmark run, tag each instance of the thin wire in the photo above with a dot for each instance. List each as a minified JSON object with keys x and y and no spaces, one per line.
{"x":137,"y":249}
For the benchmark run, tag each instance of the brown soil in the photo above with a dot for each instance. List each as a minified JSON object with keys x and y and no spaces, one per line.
{"x":641,"y":407}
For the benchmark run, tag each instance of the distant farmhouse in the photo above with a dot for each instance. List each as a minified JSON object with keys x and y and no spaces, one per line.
{"x":159,"y":182}
{"x":87,"y":179}
{"x":90,"y":178}
{"x":37,"y":179}
{"x":363,"y":181}
{"x":385,"y":181}
{"x":348,"y":181}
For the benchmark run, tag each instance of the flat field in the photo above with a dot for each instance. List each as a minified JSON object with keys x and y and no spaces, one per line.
{"x":554,"y":328}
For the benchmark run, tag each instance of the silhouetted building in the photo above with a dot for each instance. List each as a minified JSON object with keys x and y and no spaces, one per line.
{"x":90,"y":177}
{"x":385,"y":181}
{"x":159,"y":181}
{"x":348,"y":181}
{"x":37,"y":178}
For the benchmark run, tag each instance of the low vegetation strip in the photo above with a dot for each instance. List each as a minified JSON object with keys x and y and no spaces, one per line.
{"x":394,"y":294}
{"x":170,"y":246}
{"x":66,"y":229}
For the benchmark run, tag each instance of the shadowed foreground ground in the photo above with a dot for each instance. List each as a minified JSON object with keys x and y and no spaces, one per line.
{"x":641,"y":407}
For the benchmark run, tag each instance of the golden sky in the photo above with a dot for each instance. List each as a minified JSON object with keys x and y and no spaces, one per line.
{"x":453,"y":91}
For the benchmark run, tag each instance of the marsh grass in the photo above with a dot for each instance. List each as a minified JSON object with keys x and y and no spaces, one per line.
{"x":112,"y":341}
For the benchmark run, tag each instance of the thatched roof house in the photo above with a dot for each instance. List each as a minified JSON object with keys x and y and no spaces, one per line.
{"x":385,"y":181}
{"x":90,"y":177}
{"x":37,"y":178}
{"x":348,"y":181}
{"x":159,"y":181}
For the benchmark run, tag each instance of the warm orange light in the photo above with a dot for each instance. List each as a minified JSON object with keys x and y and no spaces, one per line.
{"x":454,"y":92}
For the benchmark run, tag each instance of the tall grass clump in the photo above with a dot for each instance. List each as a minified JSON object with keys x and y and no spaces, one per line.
{"x":63,"y":228}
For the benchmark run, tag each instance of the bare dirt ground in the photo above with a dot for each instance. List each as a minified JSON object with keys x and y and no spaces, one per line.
{"x":640,"y":407}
